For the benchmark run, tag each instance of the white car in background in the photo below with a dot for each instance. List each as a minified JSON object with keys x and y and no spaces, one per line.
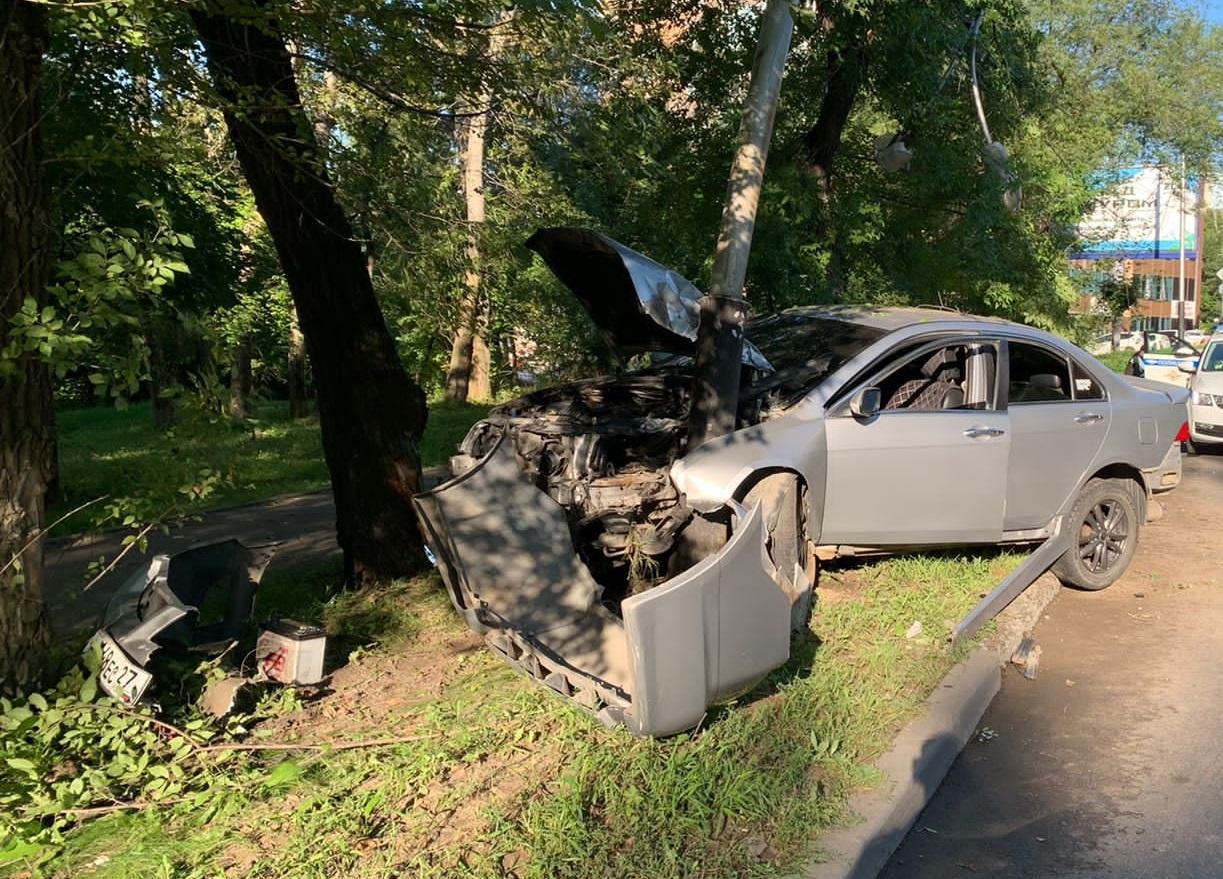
{"x":1197,"y":338}
{"x":1206,"y":396}
{"x":1167,"y":358}
{"x":1125,"y":342}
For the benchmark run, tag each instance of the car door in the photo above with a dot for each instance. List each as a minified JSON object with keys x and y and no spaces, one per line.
{"x":1059,"y":418}
{"x":909,"y":476}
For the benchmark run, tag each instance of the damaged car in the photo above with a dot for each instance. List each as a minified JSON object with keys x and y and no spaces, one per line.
{"x":646,"y":580}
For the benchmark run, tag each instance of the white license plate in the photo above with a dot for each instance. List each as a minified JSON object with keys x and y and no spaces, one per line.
{"x":118,"y":675}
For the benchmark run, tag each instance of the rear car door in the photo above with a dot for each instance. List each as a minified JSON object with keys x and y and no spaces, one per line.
{"x":928,"y":468}
{"x":1059,"y":419}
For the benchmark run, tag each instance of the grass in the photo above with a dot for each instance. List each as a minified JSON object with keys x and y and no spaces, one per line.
{"x":107,"y":451}
{"x":504,"y":779}
{"x":1116,"y":360}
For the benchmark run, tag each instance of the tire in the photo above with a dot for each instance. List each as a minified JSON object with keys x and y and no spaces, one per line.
{"x":1103,"y":523}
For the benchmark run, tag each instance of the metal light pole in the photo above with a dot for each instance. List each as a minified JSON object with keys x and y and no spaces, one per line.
{"x":1180,"y":210}
{"x":719,"y":343}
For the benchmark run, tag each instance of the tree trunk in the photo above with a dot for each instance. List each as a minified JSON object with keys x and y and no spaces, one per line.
{"x":466,"y":378}
{"x":822,"y":144}
{"x":470,"y":373}
{"x":240,"y":380}
{"x":161,"y":381}
{"x":371,"y":414}
{"x":715,"y":391}
{"x":25,"y":383}
{"x":298,"y":405}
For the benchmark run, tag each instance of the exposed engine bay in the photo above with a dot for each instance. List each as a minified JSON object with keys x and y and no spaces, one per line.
{"x":602,"y":449}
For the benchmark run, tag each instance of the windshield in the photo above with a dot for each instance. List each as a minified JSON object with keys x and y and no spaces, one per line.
{"x":805,"y":349}
{"x":1212,"y":359}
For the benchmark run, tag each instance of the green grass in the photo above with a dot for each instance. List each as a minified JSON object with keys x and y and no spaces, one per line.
{"x":1116,"y":360}
{"x":503,"y":778}
{"x":107,"y":451}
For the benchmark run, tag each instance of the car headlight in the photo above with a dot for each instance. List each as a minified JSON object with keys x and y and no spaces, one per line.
{"x":1199,"y":399}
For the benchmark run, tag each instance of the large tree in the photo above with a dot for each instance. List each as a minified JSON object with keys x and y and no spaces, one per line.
{"x":25,"y":384}
{"x":372,"y":415}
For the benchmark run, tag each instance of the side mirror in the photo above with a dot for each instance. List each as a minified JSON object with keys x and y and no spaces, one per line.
{"x":866,"y":403}
{"x":1186,"y":366}
{"x":1185,"y":351}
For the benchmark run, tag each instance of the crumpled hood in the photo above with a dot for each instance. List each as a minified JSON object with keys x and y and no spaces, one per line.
{"x":638,"y":304}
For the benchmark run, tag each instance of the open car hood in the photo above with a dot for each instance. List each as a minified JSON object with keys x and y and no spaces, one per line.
{"x":638,"y":304}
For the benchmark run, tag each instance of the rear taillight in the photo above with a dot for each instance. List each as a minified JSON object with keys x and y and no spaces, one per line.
{"x":1182,"y":435}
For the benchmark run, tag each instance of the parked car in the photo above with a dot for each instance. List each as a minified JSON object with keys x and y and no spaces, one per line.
{"x":646,"y":580}
{"x":1206,"y":396}
{"x":1102,"y":345}
{"x":1166,"y":358}
{"x":1197,"y":338}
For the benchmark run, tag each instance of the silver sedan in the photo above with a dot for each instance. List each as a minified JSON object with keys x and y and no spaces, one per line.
{"x":647,"y":580}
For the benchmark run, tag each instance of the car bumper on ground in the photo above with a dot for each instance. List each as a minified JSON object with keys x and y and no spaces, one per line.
{"x":505,"y":553}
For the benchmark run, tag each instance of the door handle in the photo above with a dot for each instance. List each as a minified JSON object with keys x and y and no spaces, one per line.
{"x":1088,"y":417}
{"x":978,"y":432}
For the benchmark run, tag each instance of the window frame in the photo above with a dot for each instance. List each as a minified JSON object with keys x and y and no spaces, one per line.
{"x":1070,"y":360}
{"x":877,"y":371}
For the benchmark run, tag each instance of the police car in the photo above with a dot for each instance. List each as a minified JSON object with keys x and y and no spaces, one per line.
{"x":1165,"y":358}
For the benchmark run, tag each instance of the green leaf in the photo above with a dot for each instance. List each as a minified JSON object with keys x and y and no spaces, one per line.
{"x":285,"y":772}
{"x":21,"y":764}
{"x":89,"y":689}
{"x":39,"y":701}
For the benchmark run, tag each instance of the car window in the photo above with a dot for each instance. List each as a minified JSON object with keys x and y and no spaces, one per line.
{"x":959,"y":376}
{"x":804,"y":350}
{"x":1212,"y":359}
{"x":1037,"y":375}
{"x":1085,"y":386}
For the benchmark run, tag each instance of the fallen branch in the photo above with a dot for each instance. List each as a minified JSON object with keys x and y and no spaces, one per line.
{"x":43,"y":532}
{"x":94,"y":811}
{"x":309,"y":746}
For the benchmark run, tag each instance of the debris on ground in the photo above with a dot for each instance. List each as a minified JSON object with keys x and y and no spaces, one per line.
{"x":914,"y":630}
{"x":985,"y":734}
{"x":1027,"y":658}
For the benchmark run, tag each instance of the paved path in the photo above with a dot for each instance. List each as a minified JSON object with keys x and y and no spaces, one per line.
{"x":1110,"y":763}
{"x":303,"y":524}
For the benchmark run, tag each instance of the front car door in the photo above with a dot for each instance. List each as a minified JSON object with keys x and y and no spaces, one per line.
{"x":1059,"y":418}
{"x":931,"y":466}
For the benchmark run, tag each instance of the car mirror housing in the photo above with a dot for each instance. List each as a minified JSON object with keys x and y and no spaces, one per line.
{"x":866,"y":403}
{"x":1186,"y":366}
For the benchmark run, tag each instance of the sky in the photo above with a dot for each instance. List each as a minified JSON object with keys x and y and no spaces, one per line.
{"x":1213,"y":10}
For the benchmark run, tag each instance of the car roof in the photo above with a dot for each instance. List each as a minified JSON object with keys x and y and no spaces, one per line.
{"x":889,"y":318}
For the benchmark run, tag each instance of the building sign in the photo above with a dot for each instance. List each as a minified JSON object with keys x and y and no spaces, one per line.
{"x":1138,"y":216}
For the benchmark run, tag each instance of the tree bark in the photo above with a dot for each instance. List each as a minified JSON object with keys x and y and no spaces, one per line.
{"x":240,"y":380}
{"x":822,"y":144}
{"x":371,"y":414}
{"x":715,"y":392}
{"x":161,"y":379}
{"x":25,"y":389}
{"x":299,"y":407}
{"x":470,"y":373}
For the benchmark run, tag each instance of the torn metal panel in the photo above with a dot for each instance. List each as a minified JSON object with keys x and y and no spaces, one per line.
{"x":506,"y":554}
{"x":164,"y":602}
{"x":639,"y":305}
{"x":707,"y":635}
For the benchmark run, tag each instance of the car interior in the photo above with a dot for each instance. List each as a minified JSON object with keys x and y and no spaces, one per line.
{"x":1037,"y":375}
{"x":953,"y":377}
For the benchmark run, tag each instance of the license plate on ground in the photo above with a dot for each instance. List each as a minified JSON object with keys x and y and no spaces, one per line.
{"x":118,"y":675}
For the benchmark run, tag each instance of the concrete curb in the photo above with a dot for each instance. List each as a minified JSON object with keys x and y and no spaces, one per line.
{"x":925,"y":749}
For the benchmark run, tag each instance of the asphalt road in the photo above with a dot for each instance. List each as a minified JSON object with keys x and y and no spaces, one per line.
{"x":1110,"y":763}
{"x":303,"y":525}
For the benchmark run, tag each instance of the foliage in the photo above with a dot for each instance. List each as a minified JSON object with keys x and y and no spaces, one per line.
{"x":72,"y":749}
{"x":499,"y":772}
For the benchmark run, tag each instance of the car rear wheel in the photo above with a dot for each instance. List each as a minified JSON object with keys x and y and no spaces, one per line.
{"x":1103,"y":525}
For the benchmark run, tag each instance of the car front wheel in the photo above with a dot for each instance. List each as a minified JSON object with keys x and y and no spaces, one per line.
{"x":1103,"y":524}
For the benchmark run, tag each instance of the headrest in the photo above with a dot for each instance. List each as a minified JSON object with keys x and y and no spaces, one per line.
{"x":937,"y":362}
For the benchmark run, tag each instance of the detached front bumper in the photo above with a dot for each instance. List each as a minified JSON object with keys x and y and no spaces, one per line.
{"x":506,"y":556}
